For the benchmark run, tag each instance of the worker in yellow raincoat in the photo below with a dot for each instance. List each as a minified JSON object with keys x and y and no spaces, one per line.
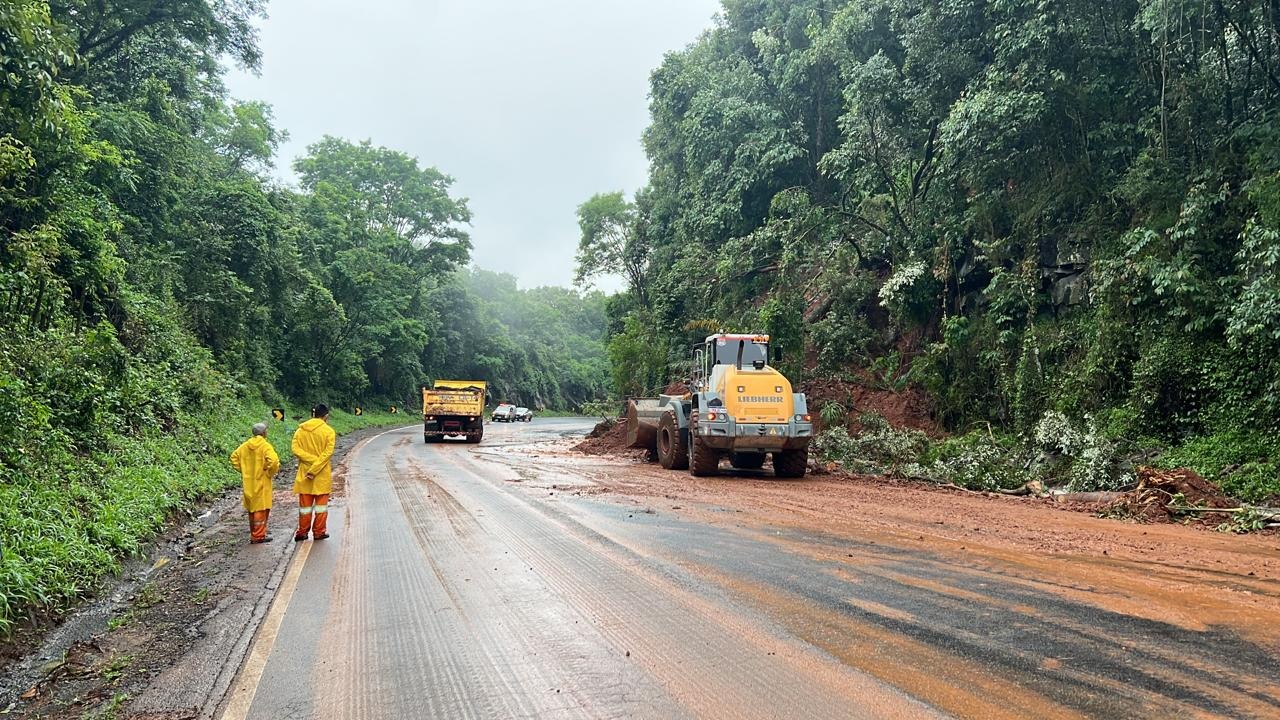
{"x":258,"y":464}
{"x":313,"y":445}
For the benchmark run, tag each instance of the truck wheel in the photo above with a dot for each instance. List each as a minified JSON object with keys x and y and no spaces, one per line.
{"x":790,"y":463}
{"x":474,"y":438}
{"x":672,"y":452}
{"x":428,"y":439}
{"x":746,"y":460}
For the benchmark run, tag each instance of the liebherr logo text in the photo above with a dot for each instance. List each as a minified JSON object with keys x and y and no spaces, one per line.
{"x":760,"y":399}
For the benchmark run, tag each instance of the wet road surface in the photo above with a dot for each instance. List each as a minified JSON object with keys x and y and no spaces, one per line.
{"x":494,"y":582}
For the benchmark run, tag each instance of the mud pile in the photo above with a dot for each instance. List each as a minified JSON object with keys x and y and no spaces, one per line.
{"x":1161,"y":492}
{"x":608,"y":437}
{"x":603,"y":428}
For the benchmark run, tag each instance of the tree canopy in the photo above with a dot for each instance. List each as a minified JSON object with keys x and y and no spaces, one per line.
{"x":154,"y":280}
{"x":1039,"y":207}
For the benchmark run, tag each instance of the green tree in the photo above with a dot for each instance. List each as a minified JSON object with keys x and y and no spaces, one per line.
{"x":612,"y":243}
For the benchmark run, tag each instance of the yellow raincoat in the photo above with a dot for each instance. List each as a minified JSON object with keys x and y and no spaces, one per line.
{"x":313,"y":445}
{"x":258,"y":464}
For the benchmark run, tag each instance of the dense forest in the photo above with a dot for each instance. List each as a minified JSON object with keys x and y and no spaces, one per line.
{"x":158,"y":290}
{"x":1054,"y":227}
{"x":1057,"y":222}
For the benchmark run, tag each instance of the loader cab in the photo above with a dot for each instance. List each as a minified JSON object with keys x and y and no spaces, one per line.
{"x":736,"y":351}
{"x":732,"y":372}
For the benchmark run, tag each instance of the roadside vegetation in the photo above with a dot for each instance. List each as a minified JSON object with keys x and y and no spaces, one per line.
{"x":159,"y":293}
{"x":1058,"y":224}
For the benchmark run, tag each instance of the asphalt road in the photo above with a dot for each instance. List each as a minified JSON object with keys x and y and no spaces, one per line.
{"x":490,"y":582}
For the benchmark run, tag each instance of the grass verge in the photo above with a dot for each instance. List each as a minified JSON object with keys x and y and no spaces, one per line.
{"x":70,"y":514}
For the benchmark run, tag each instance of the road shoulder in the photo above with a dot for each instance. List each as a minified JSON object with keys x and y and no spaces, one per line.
{"x":166,"y":639}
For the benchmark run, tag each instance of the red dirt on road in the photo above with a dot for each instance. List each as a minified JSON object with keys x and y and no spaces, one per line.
{"x":1184,"y":575}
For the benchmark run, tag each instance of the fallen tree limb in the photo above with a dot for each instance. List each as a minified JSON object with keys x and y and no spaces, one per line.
{"x":953,"y":486}
{"x":1032,"y":487}
{"x":1096,"y":496}
{"x":1265,"y":511}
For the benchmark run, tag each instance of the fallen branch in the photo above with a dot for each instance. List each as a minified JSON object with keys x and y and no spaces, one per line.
{"x":1264,"y":511}
{"x":1033,"y":487}
{"x":1097,"y":496}
{"x":953,"y":486}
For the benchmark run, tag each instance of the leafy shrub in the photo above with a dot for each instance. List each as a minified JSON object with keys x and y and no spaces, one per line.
{"x":1246,"y":465}
{"x":975,"y":460}
{"x":879,"y":448}
{"x":1054,"y":432}
{"x":1100,"y":465}
{"x":832,"y":414}
{"x":841,"y":338}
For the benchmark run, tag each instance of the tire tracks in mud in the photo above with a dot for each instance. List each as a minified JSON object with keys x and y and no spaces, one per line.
{"x":400,"y":658}
{"x":714,"y":660}
{"x":1122,"y":662}
{"x":513,"y":622}
{"x":1146,"y":661}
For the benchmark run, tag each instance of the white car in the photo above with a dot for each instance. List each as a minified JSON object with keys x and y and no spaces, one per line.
{"x":524,"y":414}
{"x":505,"y":412}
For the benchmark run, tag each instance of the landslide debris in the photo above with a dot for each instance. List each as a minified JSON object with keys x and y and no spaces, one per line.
{"x":1164,"y":495}
{"x":609,"y":437}
{"x":906,"y":408}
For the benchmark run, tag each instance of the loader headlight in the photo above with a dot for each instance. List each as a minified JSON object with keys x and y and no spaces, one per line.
{"x":713,"y":416}
{"x":804,"y":418}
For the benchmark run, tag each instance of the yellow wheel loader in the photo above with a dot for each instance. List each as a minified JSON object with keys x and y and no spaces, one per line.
{"x":738,"y":407}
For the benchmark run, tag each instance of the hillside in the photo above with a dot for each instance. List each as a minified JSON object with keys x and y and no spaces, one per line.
{"x":1058,"y":221}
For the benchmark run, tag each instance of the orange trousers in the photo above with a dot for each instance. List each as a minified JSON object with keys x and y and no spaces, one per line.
{"x":313,"y":515}
{"x":258,"y":525}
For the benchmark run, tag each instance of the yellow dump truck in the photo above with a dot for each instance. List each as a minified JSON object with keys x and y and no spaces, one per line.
{"x":453,"y":407}
{"x":738,"y":407}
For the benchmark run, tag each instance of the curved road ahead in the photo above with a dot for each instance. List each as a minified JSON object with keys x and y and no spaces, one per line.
{"x":491,"y":582}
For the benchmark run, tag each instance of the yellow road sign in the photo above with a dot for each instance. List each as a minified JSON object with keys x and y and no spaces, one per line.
{"x":359,"y":411}
{"x":278,"y":414}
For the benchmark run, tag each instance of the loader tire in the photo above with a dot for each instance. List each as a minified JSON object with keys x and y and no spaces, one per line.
{"x":790,"y":463}
{"x":746,"y":460}
{"x":703,"y":460}
{"x":672,"y":449}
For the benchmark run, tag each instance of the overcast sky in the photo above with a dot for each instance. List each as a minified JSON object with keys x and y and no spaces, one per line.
{"x":531,"y":106}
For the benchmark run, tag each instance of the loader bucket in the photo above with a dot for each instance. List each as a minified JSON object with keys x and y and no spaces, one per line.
{"x":642,"y":423}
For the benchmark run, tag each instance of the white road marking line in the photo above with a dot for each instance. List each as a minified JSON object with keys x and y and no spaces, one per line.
{"x":251,"y":674}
